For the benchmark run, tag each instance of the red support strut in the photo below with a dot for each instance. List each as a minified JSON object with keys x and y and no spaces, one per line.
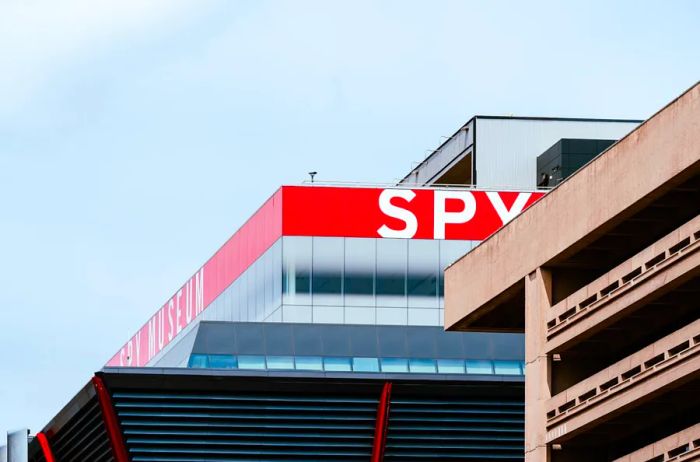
{"x":45,"y":447}
{"x":382,"y":424}
{"x":116,"y":439}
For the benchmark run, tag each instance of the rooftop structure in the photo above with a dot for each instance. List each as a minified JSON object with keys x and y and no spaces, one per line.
{"x":492,"y":152}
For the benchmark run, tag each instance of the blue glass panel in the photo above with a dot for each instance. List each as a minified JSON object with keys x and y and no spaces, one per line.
{"x":251,"y":362}
{"x":223,"y":362}
{"x":450,"y":366}
{"x":365,"y":365}
{"x":394,"y":365}
{"x":479,"y":367}
{"x":337,"y":364}
{"x":308,"y":363}
{"x":280,"y":362}
{"x":198,"y":361}
{"x":423,"y":366}
{"x":507,"y":367}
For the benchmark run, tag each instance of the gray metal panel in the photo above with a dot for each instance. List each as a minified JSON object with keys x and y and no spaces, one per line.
{"x":18,"y":446}
{"x":445,"y":155}
{"x":217,"y":337}
{"x":177,"y":353}
{"x":507,"y":149}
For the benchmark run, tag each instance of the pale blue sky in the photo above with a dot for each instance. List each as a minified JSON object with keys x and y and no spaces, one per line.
{"x":135,"y":137}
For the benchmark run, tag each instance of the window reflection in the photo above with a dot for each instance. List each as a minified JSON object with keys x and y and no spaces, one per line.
{"x":337,"y":364}
{"x":386,"y":275}
{"x":280,"y":362}
{"x":308,"y":363}
{"x":423,"y":265}
{"x":356,"y":364}
{"x":392,"y":262}
{"x":223,"y":362}
{"x":479,"y":367}
{"x":251,"y":362}
{"x":360,"y":265}
{"x":450,"y":366}
{"x":507,"y":367}
{"x":423,"y":366}
{"x":365,"y":365}
{"x":394,"y":365}
{"x":327,"y":271}
{"x":296,"y":269}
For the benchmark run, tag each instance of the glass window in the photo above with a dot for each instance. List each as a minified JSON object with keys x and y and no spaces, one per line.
{"x":392,"y":262}
{"x":394,"y":364}
{"x":223,"y":362}
{"x":478,"y":366}
{"x":198,"y":361}
{"x":251,"y":362}
{"x":337,"y":364}
{"x":423,"y":265}
{"x":252,"y":292}
{"x":308,"y":363}
{"x":280,"y":362}
{"x":236,"y":301}
{"x":507,"y":367}
{"x":327,"y":271}
{"x":267,"y":283}
{"x":423,"y":366}
{"x":276,"y":274}
{"x":259,"y":309}
{"x":243,"y":281}
{"x":365,"y":364}
{"x":296,"y":270}
{"x":450,"y":366}
{"x":360,"y":265}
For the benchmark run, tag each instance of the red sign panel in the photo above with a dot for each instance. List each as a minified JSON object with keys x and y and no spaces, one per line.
{"x":325,"y":211}
{"x":399,"y":213}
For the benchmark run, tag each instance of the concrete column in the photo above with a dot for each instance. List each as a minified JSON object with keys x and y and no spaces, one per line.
{"x":18,"y":446}
{"x":538,"y":300}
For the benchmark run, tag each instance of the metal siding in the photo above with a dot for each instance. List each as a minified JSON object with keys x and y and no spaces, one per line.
{"x":177,"y":353}
{"x":507,"y":149}
{"x":443,"y":156}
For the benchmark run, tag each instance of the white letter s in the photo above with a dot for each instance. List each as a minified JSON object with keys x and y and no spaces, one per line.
{"x":397,"y":212}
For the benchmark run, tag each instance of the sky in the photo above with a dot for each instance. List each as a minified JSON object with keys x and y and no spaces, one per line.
{"x":137,"y":136}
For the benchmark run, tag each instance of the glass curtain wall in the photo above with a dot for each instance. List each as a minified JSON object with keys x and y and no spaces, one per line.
{"x":366,"y":281}
{"x":342,"y":280}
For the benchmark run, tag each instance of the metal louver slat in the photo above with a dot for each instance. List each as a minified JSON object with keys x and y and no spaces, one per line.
{"x":180,"y":426}
{"x":426,"y":429}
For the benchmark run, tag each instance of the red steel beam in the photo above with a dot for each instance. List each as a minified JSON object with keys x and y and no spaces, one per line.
{"x":114,"y":433}
{"x":45,"y":447}
{"x":382,"y":424}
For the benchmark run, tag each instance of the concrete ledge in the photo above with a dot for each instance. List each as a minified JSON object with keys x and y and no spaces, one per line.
{"x":626,"y":373}
{"x":683,"y":446}
{"x":655,"y":258}
{"x":675,"y":270}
